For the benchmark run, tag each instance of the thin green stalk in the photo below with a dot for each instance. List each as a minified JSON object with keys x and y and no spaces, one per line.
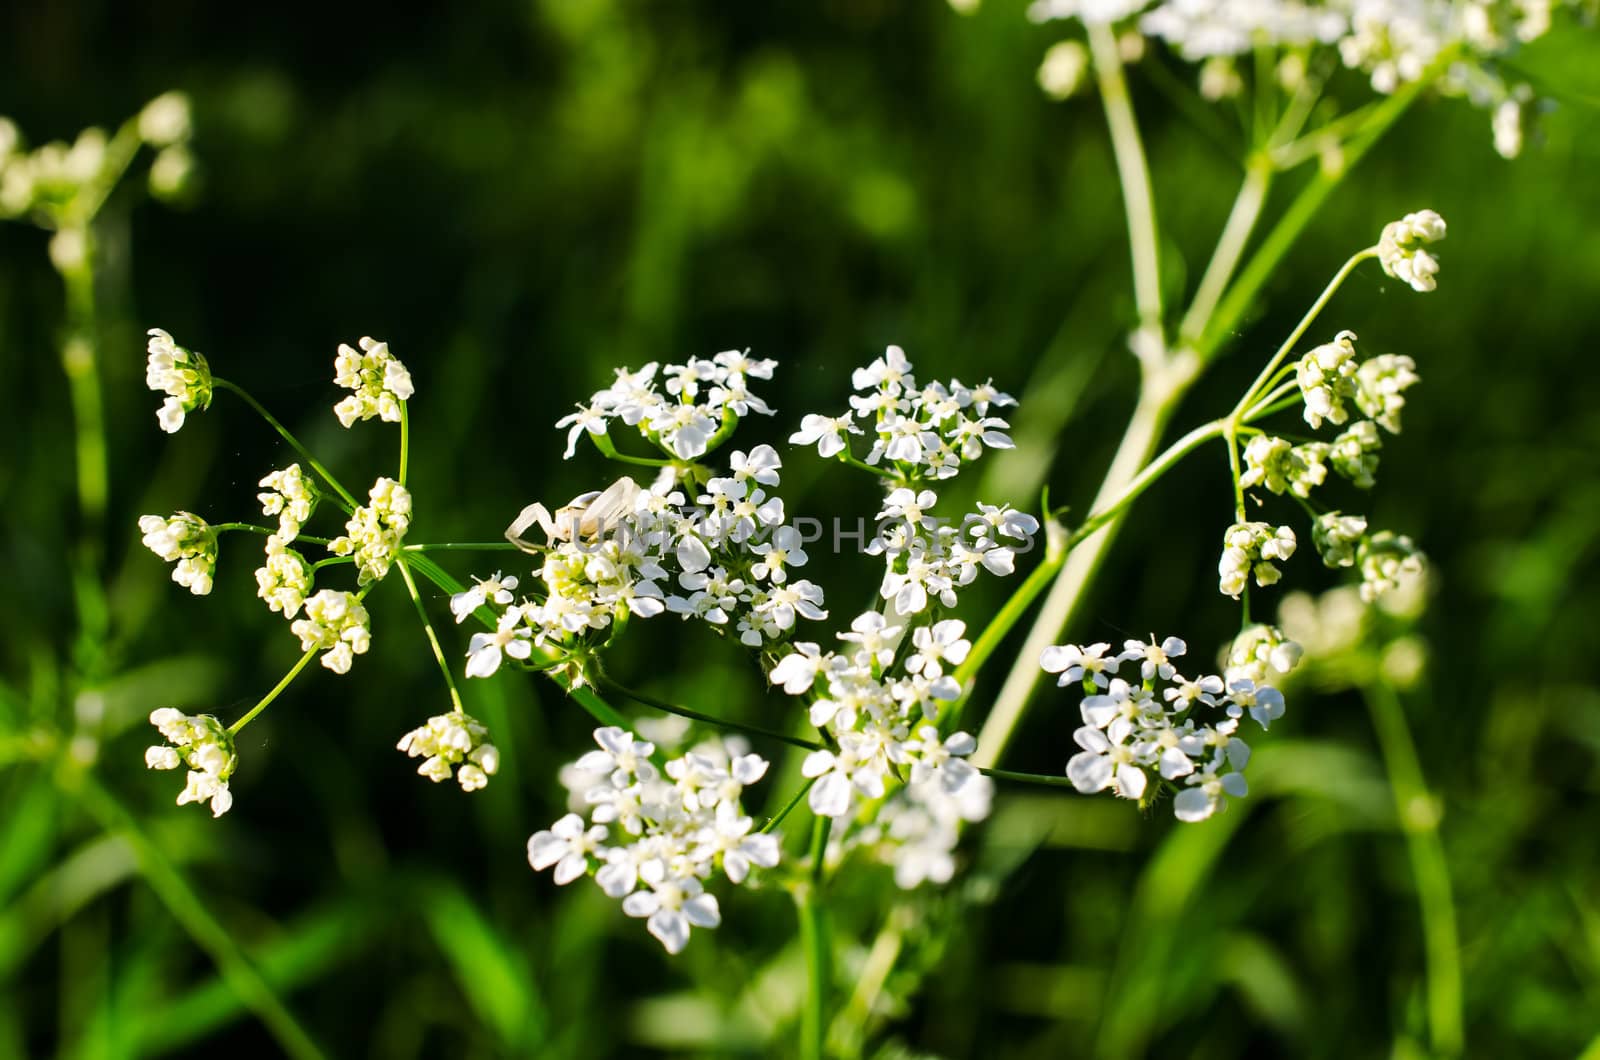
{"x":288,"y":679}
{"x":585,"y":696}
{"x":1028,"y":778}
{"x":188,"y":908}
{"x":1242,"y":295}
{"x":1230,"y":247}
{"x":427,"y":628}
{"x":695,"y":715}
{"x":1264,"y":379}
{"x":805,"y":789}
{"x":1134,"y":173}
{"x":264,"y":531}
{"x":1418,"y":816}
{"x":1147,"y":478}
{"x":405,"y":442}
{"x":817,"y":943}
{"x":294,"y":443}
{"x":1013,"y":610}
{"x":464,"y":546}
{"x":1138,"y":444}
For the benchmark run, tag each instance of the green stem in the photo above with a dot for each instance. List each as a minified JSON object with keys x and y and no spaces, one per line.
{"x":848,"y":458}
{"x":1264,"y":264}
{"x":1146,"y":478}
{"x":585,"y":696}
{"x":264,"y":531}
{"x":1264,"y":380}
{"x":294,"y":443}
{"x":1011,"y":613}
{"x":464,"y":546}
{"x":1230,"y":247}
{"x":788,"y":806}
{"x":1028,"y":778}
{"x":427,"y":628}
{"x":1134,"y":173}
{"x":695,"y":715}
{"x":1150,"y":416}
{"x":189,"y":910}
{"x":817,"y":943}
{"x":405,"y":442}
{"x":1419,"y":815}
{"x":288,"y":678}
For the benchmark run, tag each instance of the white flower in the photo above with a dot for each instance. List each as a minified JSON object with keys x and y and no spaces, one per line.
{"x":586,"y":419}
{"x":1354,"y":454}
{"x":1073,"y":663}
{"x":797,"y":670}
{"x":672,"y":905}
{"x":181,"y":374}
{"x":1205,"y":797}
{"x":377,"y":378}
{"x":186,"y":540}
{"x":874,"y":638}
{"x":491,"y":590}
{"x":1153,"y":658}
{"x":778,"y":555}
{"x":1106,"y":761}
{"x":453,"y":741}
{"x":936,"y":646}
{"x":761,"y":464}
{"x":164,"y":121}
{"x":337,"y":623}
{"x":1336,"y":537}
{"x":510,"y":638}
{"x":1401,"y":249}
{"x":568,"y":846}
{"x":825,"y":432}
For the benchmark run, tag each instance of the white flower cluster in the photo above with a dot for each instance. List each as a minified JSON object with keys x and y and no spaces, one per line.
{"x":1354,"y":453}
{"x":1279,"y":466}
{"x":704,"y":398}
{"x":1402,"y":249}
{"x":628,"y":550}
{"x":923,"y":431}
{"x":181,"y":374}
{"x":1261,"y":654}
{"x":375,"y":530}
{"x":1381,"y":383}
{"x":48,"y":180}
{"x":377,"y":378}
{"x":653,"y":836}
{"x":1394,"y":42}
{"x":453,"y":742}
{"x":336,"y":623}
{"x":1133,"y":730}
{"x":1337,"y":537}
{"x":186,"y":540}
{"x":928,"y":559}
{"x":292,"y":497}
{"x":205,"y":747}
{"x":1326,"y":377}
{"x":883,"y":732}
{"x":284,"y":580}
{"x":1386,"y":561}
{"x":1252,"y":548}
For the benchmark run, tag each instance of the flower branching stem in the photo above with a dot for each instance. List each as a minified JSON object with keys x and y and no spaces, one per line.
{"x":427,"y":628}
{"x":316,"y":465}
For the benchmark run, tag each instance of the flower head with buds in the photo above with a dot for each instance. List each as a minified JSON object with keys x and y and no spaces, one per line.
{"x":292,"y":497}
{"x":377,"y":378}
{"x":201,"y":743}
{"x":284,"y":580}
{"x":1326,"y":377}
{"x":1402,"y":249}
{"x":181,"y":374}
{"x":186,"y":540}
{"x":1252,"y":548}
{"x":336,"y":623}
{"x":453,"y":742}
{"x":376,"y":529}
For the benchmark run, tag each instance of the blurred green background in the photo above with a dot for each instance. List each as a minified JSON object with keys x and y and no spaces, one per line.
{"x":520,"y":197}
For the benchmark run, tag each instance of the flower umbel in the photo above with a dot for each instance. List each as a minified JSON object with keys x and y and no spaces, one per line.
{"x":453,"y":742}
{"x":180,"y":374}
{"x":202,"y":744}
{"x":186,"y":540}
{"x":379,"y":381}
